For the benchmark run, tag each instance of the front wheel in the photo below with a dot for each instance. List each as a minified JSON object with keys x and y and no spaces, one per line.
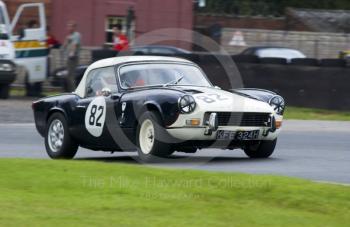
{"x":262,"y":150}
{"x":59,"y":144}
{"x":151,"y":138}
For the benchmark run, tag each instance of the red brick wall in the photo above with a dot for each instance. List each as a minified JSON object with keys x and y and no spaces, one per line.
{"x":90,"y":16}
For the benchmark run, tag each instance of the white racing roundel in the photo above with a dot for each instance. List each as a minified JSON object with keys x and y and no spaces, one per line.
{"x":95,"y":116}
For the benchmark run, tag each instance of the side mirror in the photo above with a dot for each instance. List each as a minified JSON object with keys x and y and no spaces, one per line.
{"x":89,"y":91}
{"x":106,"y":92}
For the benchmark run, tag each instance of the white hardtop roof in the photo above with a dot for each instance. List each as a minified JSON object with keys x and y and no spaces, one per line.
{"x":123,"y":60}
{"x":128,"y":59}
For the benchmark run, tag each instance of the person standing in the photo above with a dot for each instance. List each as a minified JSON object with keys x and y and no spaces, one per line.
{"x":120,"y":41}
{"x":71,"y":48}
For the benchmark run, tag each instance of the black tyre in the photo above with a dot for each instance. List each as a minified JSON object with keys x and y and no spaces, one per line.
{"x":58,"y":142}
{"x":151,"y":138}
{"x":4,"y":91}
{"x":262,"y":150}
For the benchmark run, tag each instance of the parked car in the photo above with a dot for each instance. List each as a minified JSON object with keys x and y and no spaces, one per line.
{"x":58,"y":78}
{"x":157,"y":105}
{"x":274,"y":52}
{"x":159,"y":49}
{"x":59,"y":75}
{"x":7,"y":76}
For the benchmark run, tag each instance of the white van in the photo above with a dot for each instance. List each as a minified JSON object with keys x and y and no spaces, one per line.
{"x":23,"y":44}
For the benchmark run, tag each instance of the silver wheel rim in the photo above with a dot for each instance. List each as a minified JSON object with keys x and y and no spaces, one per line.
{"x":146,"y":137}
{"x":55,"y":135}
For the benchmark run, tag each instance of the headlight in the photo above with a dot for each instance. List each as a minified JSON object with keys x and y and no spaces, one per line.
{"x":278,"y":104}
{"x":187,"y":104}
{"x":7,"y":67}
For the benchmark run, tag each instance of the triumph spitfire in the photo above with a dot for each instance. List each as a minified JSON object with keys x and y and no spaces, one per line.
{"x":156,"y":106}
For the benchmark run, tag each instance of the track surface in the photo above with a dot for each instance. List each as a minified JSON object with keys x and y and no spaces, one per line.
{"x":309,"y":149}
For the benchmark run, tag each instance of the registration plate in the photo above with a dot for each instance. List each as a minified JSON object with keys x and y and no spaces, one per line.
{"x":239,"y":135}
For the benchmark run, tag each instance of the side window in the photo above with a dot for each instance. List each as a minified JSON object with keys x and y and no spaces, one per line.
{"x":99,"y":79}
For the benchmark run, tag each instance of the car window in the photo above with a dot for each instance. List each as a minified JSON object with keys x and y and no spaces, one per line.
{"x":98,"y":79}
{"x":144,"y":50}
{"x":158,"y":50}
{"x":280,"y":53}
{"x":158,"y":74}
{"x":247,"y":52}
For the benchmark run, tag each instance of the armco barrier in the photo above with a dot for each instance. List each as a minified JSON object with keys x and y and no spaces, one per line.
{"x":326,"y":86}
{"x":305,"y":61}
{"x":333,"y":63}
{"x":305,"y":86}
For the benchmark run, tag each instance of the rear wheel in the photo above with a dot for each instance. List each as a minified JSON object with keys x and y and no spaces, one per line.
{"x":4,"y":91}
{"x":58,"y":142}
{"x":151,"y":138}
{"x":262,"y":150}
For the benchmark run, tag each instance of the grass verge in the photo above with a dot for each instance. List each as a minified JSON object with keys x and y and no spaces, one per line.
{"x":300,"y":113}
{"x":21,"y":92}
{"x":80,"y":193}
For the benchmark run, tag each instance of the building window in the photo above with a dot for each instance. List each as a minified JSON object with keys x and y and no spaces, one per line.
{"x":110,"y":22}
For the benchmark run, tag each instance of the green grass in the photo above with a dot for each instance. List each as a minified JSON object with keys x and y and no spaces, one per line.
{"x":300,"y":113}
{"x":21,"y":92}
{"x":80,"y":193}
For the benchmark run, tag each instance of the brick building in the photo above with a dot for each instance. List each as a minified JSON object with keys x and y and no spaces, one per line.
{"x":96,"y":17}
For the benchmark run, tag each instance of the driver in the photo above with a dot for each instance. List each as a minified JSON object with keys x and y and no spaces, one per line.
{"x":133,"y":79}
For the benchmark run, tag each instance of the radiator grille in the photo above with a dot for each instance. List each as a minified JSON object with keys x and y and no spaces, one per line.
{"x":242,"y":119}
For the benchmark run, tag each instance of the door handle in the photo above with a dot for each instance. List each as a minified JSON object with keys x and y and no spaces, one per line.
{"x":81,"y":107}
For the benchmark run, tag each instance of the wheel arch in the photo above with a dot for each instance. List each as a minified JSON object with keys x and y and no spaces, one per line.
{"x":56,"y":110}
{"x":42,"y":124}
{"x":152,"y":106}
{"x":148,"y":106}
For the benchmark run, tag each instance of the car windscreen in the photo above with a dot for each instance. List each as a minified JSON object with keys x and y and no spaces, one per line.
{"x":160,"y":74}
{"x":280,"y":53}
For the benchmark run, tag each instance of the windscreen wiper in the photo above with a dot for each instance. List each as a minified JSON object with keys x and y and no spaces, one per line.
{"x":174,"y":82}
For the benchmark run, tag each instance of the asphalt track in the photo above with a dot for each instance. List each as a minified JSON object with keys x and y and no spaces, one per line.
{"x":317,"y":150}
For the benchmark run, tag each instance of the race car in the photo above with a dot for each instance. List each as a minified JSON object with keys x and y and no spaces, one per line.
{"x":156,"y":106}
